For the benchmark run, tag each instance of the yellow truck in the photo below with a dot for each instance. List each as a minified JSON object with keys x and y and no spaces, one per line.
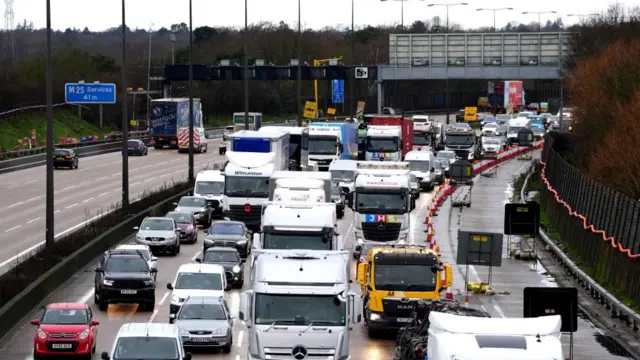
{"x":393,"y":278}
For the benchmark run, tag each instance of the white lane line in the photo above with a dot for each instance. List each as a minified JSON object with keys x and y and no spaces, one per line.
{"x":195,"y":256}
{"x":87,"y":200}
{"x":153,"y":316}
{"x":29,"y":182}
{"x":68,"y":187}
{"x":13,"y":228}
{"x":102,"y":177}
{"x":498,"y":310}
{"x":33,"y":220}
{"x":86,"y":297}
{"x":240,"y":335}
{"x":237,"y":357}
{"x":163,"y":162}
{"x":70,"y":206}
{"x":135,"y":183}
{"x":14,"y":205}
{"x":164,"y":298}
{"x":103,"y":194}
{"x":57,"y":211}
{"x":34,"y":198}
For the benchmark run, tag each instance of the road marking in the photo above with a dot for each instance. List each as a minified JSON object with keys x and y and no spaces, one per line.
{"x":32,"y":220}
{"x":87,"y":200}
{"x":14,"y":205}
{"x":153,"y":316}
{"x":57,"y":211}
{"x":103,"y":194}
{"x":86,"y":297}
{"x":102,"y":177}
{"x":498,"y":310}
{"x":239,"y":342}
{"x":70,"y":206}
{"x":237,"y":357}
{"x":135,"y":183}
{"x":13,"y":228}
{"x":164,"y":298}
{"x":68,"y":187}
{"x":195,"y":256}
{"x":163,"y":162}
{"x":34,"y":198}
{"x":29,"y":182}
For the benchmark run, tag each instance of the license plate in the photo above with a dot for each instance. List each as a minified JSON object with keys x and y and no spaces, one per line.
{"x":128,"y":292}
{"x":131,"y":148}
{"x":61,"y":346}
{"x":404,"y":320}
{"x":201,"y":339}
{"x":60,"y":158}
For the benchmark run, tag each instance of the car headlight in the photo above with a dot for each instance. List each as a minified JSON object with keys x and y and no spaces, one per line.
{"x":219,"y":331}
{"x":374,"y":317}
{"x":236,"y":269}
{"x":176,"y":299}
{"x":401,"y":241}
{"x":148,"y":283}
{"x":242,"y":242}
{"x":208,"y":241}
{"x":177,"y":209}
{"x":360,"y":241}
{"x":184,"y":332}
{"x":83,"y":335}
{"x":107,"y":282}
{"x":196,"y":214}
{"x":172,"y":237}
{"x":42,"y":334}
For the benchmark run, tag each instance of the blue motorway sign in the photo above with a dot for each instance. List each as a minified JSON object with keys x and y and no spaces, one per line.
{"x":337,"y":91}
{"x":75,"y":93}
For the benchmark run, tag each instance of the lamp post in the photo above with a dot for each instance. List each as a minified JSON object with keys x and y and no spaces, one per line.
{"x":149,"y":72}
{"x":125,"y":123}
{"x":401,"y":13}
{"x":539,"y":13}
{"x":299,"y":82}
{"x":245,"y":48}
{"x":49,"y":237}
{"x":191,"y":175}
{"x":582,"y":16}
{"x":494,"y":13}
{"x":352,"y":82}
{"x":448,"y":6}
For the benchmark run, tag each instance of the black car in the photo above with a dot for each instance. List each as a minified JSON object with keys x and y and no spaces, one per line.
{"x":230,"y":259}
{"x":439,"y":173}
{"x":137,"y":147}
{"x":65,"y":158}
{"x":233,"y":234}
{"x":125,"y":278}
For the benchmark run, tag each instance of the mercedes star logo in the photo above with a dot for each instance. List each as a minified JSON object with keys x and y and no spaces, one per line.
{"x":299,"y":352}
{"x":200,"y":332}
{"x":154,"y":239}
{"x":381,"y":226}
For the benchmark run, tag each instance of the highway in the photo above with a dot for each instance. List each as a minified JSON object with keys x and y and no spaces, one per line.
{"x":80,"y":194}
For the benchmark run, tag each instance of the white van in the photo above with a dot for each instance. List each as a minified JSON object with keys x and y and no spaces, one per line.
{"x":421,"y":164}
{"x":515,"y":126}
{"x":343,"y":172}
{"x":147,"y":340}
{"x":197,"y":280}
{"x":210,"y":185}
{"x":304,"y":190}
{"x":422,"y":123}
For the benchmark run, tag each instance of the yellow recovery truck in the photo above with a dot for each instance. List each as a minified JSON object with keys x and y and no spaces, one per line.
{"x":393,"y":278}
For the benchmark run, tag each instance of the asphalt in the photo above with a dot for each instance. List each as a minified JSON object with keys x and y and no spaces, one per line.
{"x":486,"y":214}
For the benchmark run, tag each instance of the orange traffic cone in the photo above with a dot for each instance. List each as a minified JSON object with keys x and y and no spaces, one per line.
{"x":429,"y":237}
{"x":449,"y":294}
{"x":466,"y":300}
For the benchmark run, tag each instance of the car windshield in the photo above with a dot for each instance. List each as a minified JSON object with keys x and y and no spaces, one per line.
{"x":202,"y":312}
{"x":246,"y":186}
{"x":192,"y":202}
{"x":60,"y":152}
{"x":503,"y":128}
{"x":126,"y":264}
{"x":404,"y":277}
{"x":491,"y":141}
{"x":322,"y":145}
{"x":209,"y":187}
{"x":213,"y":256}
{"x":132,"y":143}
{"x":419,"y":165}
{"x":199,"y":281}
{"x":421,"y":139}
{"x":157,"y":224}
{"x":181,"y":218}
{"x":226,"y":228}
{"x":462,"y":126}
{"x":65,"y":317}
{"x":147,"y":348}
{"x":287,"y":240}
{"x":420,"y":120}
{"x":343,"y":175}
{"x":299,"y":310}
{"x":385,"y":144}
{"x":381,"y":203}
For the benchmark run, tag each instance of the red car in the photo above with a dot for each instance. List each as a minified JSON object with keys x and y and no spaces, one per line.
{"x":65,"y":329}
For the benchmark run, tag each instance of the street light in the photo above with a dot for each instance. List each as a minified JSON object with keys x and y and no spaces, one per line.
{"x":191,"y":175}
{"x":125,"y":123}
{"x":401,"y":12}
{"x":245,"y":49}
{"x":582,"y":16}
{"x":352,"y":83}
{"x":299,"y":82}
{"x":447,"y":6}
{"x":539,"y":13}
{"x":494,"y":13}
{"x":172,"y":39}
{"x":49,"y":238}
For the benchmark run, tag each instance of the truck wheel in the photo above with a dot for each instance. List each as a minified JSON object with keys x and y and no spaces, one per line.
{"x":226,"y":349}
{"x":206,"y":147}
{"x":103,"y":305}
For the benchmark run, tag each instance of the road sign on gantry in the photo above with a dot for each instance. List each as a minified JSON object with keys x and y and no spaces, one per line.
{"x":77,"y":93}
{"x":337,"y":91}
{"x":362,"y":73}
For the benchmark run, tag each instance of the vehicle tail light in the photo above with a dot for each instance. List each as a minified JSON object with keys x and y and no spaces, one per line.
{"x":68,"y":157}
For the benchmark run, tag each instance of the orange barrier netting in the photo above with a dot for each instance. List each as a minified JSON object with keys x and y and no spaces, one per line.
{"x":585,"y":223}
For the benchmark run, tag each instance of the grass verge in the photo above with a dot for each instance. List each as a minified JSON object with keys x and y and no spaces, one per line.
{"x":65,"y":124}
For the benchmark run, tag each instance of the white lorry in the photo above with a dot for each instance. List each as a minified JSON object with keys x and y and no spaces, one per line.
{"x":300,"y":190}
{"x":343,"y":172}
{"x":465,"y":337}
{"x":382,"y":203}
{"x":384,"y":143}
{"x":300,"y":175}
{"x":300,"y":306}
{"x":298,"y":146}
{"x":253,"y":158}
{"x":294,"y":225}
{"x":210,"y":185}
{"x":325,"y":144}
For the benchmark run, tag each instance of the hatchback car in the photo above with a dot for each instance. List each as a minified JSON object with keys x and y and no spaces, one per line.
{"x":160,"y":234}
{"x":197,"y":206}
{"x":229,"y":259}
{"x":137,"y":147}
{"x":187,"y":225}
{"x":65,"y":329}
{"x":65,"y":158}
{"x":226,"y":233}
{"x":205,"y":322}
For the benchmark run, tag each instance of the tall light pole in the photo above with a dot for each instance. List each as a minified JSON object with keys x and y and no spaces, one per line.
{"x":49,"y":237}
{"x":539,"y":18}
{"x":191,"y":176}
{"x":299,"y":97}
{"x":494,"y":13}
{"x":172,"y":39}
{"x":245,"y":49}
{"x":582,"y":16}
{"x":125,"y":123}
{"x":352,"y":81}
{"x":401,"y":13}
{"x":448,"y":6}
{"x":149,"y":72}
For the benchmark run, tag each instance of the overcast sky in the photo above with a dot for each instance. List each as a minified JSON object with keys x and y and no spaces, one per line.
{"x":103,"y":14}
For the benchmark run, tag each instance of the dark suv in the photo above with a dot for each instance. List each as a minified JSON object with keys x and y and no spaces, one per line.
{"x":125,"y":278}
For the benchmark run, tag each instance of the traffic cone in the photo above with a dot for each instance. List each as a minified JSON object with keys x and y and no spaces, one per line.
{"x":448,"y":295}
{"x":429,"y":237}
{"x":427,"y":219}
{"x":466,"y":300}
{"x":431,"y":246}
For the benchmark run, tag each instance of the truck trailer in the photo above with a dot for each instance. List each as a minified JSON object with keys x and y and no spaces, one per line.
{"x":170,"y":117}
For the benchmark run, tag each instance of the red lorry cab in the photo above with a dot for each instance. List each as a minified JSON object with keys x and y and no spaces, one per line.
{"x":395,"y":120}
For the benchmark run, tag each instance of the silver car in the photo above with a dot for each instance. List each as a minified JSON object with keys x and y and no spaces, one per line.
{"x":205,"y":322}
{"x":161,"y":234}
{"x":197,"y":206}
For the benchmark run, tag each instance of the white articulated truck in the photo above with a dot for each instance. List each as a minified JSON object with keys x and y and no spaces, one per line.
{"x":293,"y":225}
{"x":325,"y":144}
{"x":253,"y":158}
{"x":382,"y":202}
{"x":384,"y":143}
{"x":300,"y":305}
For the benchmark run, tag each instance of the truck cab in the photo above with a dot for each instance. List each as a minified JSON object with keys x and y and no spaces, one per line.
{"x":382,"y":202}
{"x":394,"y":278}
{"x":325,"y":144}
{"x":464,"y":142}
{"x":343,"y":172}
{"x":298,"y":145}
{"x":300,"y":305}
{"x":515,"y":125}
{"x":384,"y":143}
{"x":294,"y":225}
